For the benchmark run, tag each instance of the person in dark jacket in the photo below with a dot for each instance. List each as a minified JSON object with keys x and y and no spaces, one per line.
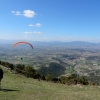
{"x":1,"y":76}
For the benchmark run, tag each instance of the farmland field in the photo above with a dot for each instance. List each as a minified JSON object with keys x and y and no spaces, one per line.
{"x":78,"y":60}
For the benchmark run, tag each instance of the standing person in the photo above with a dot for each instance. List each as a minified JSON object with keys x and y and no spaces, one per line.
{"x":1,"y":76}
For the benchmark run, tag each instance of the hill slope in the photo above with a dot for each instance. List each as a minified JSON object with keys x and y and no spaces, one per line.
{"x":17,"y":87}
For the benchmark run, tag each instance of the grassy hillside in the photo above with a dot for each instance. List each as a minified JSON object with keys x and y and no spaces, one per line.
{"x":17,"y":87}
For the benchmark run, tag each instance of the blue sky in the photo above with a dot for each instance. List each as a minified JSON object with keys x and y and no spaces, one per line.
{"x":50,"y":20}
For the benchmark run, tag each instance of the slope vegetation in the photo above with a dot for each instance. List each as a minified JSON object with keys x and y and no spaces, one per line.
{"x":18,"y":87}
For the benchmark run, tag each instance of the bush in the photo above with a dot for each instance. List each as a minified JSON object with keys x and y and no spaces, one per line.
{"x":29,"y":71}
{"x":63,"y":79}
{"x":48,"y":77}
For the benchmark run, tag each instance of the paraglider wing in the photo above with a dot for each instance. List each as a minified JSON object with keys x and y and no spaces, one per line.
{"x":22,"y":43}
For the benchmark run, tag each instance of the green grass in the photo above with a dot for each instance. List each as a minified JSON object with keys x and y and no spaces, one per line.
{"x":17,"y":87}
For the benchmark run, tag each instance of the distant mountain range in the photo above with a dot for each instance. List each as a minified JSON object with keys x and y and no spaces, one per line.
{"x":56,"y":43}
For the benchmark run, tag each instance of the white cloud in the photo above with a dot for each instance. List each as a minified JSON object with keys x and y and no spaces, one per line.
{"x":16,"y":12}
{"x":29,"y":13}
{"x":31,"y":25}
{"x":28,"y":32}
{"x":38,"y":25}
{"x":26,"y":13}
{"x":35,"y":32}
{"x":13,"y":11}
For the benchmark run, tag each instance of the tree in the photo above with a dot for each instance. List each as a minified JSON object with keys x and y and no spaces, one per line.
{"x":83,"y":80}
{"x":19,"y":68}
{"x":11,"y":66}
{"x":55,"y":80}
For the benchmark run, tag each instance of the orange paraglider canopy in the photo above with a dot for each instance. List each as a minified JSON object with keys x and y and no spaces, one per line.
{"x":22,"y":43}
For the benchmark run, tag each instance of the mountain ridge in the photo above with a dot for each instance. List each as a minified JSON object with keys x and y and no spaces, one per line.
{"x":55,"y":43}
